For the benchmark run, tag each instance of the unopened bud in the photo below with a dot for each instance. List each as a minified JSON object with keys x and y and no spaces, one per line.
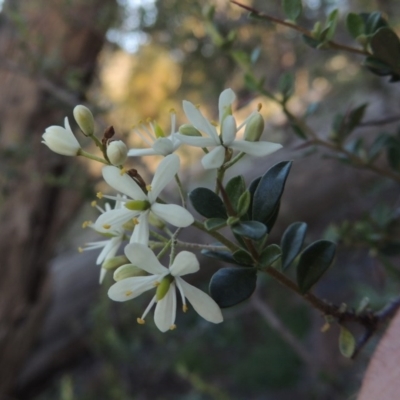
{"x":158,"y":131}
{"x":189,"y":130}
{"x":84,"y":118}
{"x":137,"y":205}
{"x":114,"y":262}
{"x":163,"y":287}
{"x":117,"y":152}
{"x":128,"y":271}
{"x":254,"y":128}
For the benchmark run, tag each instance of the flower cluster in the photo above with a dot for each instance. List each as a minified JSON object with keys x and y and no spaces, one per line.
{"x":140,"y":213}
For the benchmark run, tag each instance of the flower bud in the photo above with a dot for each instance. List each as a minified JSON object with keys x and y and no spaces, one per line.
{"x":117,"y":152}
{"x":254,"y":128}
{"x":128,"y":271}
{"x":163,"y":287}
{"x":189,"y":130}
{"x":61,"y":140}
{"x":114,"y":262}
{"x":137,"y":205}
{"x":84,"y":118}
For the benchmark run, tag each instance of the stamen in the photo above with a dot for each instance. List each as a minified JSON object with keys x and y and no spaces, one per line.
{"x":128,"y":293}
{"x":172,"y":111}
{"x":123,"y":171}
{"x":156,"y":283}
{"x":85,"y":224}
{"x":93,"y":203}
{"x":179,"y":286}
{"x":214,"y":123}
{"x":172,"y":327}
{"x":185,"y":308}
{"x":259,"y":107}
{"x":173,"y":121}
{"x":80,"y":249}
{"x":99,"y":195}
{"x":141,"y":321}
{"x":106,"y":226}
{"x":146,"y":311}
{"x":148,"y":188}
{"x":197,"y":106}
{"x":135,"y":221}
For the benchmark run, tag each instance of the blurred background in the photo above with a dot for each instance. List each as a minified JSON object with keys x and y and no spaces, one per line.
{"x":129,"y":60}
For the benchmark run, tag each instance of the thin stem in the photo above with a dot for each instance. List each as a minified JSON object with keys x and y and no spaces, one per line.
{"x":221,"y":238}
{"x":233,"y":161}
{"x":181,"y":191}
{"x":164,"y":250}
{"x":159,"y":237}
{"x":306,"y":32}
{"x":173,"y":246}
{"x":84,"y":153}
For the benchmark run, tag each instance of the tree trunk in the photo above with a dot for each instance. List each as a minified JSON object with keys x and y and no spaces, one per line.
{"x":48,"y":53}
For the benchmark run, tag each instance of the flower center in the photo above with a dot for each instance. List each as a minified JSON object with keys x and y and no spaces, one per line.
{"x":163,"y":287}
{"x":137,"y":205}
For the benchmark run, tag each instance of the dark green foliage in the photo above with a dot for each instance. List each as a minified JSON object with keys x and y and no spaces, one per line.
{"x":292,"y":242}
{"x":292,"y":9}
{"x":230,"y":286}
{"x":250,"y":229}
{"x":222,"y":255}
{"x":207,"y":203}
{"x":270,"y":254}
{"x":313,"y":263}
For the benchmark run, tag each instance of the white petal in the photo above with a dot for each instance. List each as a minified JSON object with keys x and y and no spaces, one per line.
{"x":163,"y":146}
{"x":173,"y":214}
{"x":214,"y":159}
{"x":109,"y":250}
{"x":198,"y":141}
{"x":141,"y":232}
{"x":114,"y":218}
{"x":165,"y":313}
{"x":197,"y":119}
{"x":103,"y":272}
{"x":228,"y":130}
{"x":257,"y":149}
{"x":184,"y":263}
{"x":226,"y":98}
{"x":129,"y":288}
{"x":142,"y":257}
{"x":141,"y":152}
{"x":165,"y":172}
{"x":123,"y":183}
{"x":203,"y":304}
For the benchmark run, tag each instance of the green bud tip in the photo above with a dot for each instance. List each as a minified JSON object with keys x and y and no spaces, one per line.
{"x":189,"y":130}
{"x":84,"y":118}
{"x":137,"y":205}
{"x":163,"y":287}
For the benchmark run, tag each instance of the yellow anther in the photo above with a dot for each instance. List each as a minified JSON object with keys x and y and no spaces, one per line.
{"x":93,"y":203}
{"x":185,"y":308}
{"x":141,"y":321}
{"x":128,"y":293}
{"x":156,"y":283}
{"x":214,"y":123}
{"x":135,"y":221}
{"x":148,"y":188}
{"x":85,"y":224}
{"x":172,"y":111}
{"x":106,"y":226}
{"x":197,"y":106}
{"x":172,"y":327}
{"x":80,"y":249}
{"x":99,"y":195}
{"x":148,"y":120}
{"x":123,"y":171}
{"x":259,"y":107}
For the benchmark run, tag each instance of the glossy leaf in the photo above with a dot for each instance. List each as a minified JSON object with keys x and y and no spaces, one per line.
{"x":231,"y":286}
{"x":347,"y":343}
{"x":250,"y":229}
{"x":243,"y":203}
{"x":222,"y":255}
{"x":234,"y":189}
{"x":242,"y":257}
{"x":373,"y":22}
{"x":292,"y":9}
{"x":269,"y":255}
{"x":292,"y":242}
{"x":207,"y":203}
{"x":385,"y":46}
{"x":355,"y":25}
{"x":214,"y":224}
{"x":269,"y":191}
{"x":313,"y":263}
{"x":286,"y":85}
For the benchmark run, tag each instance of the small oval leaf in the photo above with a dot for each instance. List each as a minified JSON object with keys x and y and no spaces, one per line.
{"x":230,"y":286}
{"x":234,"y":189}
{"x":207,"y":203}
{"x":292,"y":241}
{"x":250,"y":229}
{"x":292,"y":9}
{"x":222,"y":255}
{"x":269,"y":191}
{"x":314,"y":261}
{"x":270,"y":255}
{"x":347,"y":343}
{"x":213,"y":224}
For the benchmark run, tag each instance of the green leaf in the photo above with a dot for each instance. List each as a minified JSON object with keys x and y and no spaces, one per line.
{"x":241,"y":58}
{"x":347,"y":343}
{"x":250,"y":229}
{"x":270,"y":254}
{"x":207,"y":203}
{"x":378,"y":145}
{"x":373,"y":22}
{"x":313,"y":263}
{"x":242,"y":257}
{"x":292,"y":242}
{"x":292,"y":9}
{"x":230,"y":286}
{"x":312,"y":42}
{"x":234,"y":189}
{"x":286,"y":85}
{"x":244,"y":203}
{"x":272,"y":219}
{"x":385,"y":46}
{"x":354,"y":118}
{"x":269,"y":191}
{"x":222,"y":255}
{"x":355,"y":25}
{"x":214,"y":224}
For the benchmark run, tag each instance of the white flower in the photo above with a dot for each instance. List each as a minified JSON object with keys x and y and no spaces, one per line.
{"x":167,"y":281}
{"x":139,"y":207}
{"x":61,"y":140}
{"x":117,"y":152}
{"x":158,"y":143}
{"x":109,"y":247}
{"x":227,"y":137}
